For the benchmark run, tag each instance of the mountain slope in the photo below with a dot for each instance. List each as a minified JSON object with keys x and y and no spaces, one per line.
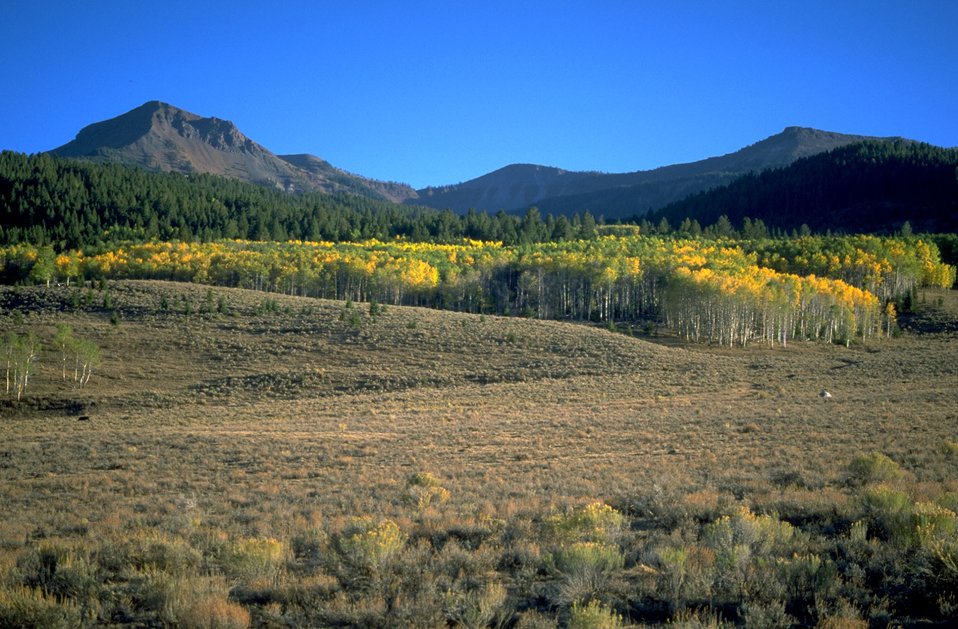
{"x":161,"y":137}
{"x":867,"y":186}
{"x":557,"y":191}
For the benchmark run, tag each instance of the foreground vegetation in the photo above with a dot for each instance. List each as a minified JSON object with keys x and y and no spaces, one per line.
{"x":270,"y":460}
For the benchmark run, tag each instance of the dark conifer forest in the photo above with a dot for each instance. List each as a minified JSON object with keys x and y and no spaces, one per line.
{"x":863,"y":187}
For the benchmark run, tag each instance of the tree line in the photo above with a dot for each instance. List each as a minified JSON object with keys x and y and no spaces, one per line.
{"x":862,"y":187}
{"x":69,"y":204}
{"x":721,"y":291}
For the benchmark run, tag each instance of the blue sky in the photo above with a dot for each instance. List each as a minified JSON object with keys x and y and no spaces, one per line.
{"x":431,"y":93}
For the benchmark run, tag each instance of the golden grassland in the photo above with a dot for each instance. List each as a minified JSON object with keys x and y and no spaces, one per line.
{"x":231,"y":439}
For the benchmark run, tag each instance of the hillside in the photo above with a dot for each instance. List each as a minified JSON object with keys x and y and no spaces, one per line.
{"x":276,"y":463}
{"x":159,"y":136}
{"x":557,"y":191}
{"x":864,"y":187}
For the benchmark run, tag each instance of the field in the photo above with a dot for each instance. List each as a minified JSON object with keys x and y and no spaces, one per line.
{"x":215,"y":466}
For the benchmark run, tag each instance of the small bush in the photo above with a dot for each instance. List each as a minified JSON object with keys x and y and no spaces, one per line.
{"x":423,"y":489}
{"x":370,"y":547}
{"x":587,"y":557}
{"x":685,"y":574}
{"x":30,"y":607}
{"x":585,"y":569}
{"x":889,"y":512}
{"x":698,"y":619}
{"x":873,"y":468}
{"x":214,"y":612}
{"x":59,"y":572}
{"x":476,"y":608}
{"x":595,"y":522}
{"x":595,"y":615}
{"x":532,"y":619}
{"x":256,"y":558}
{"x":762,"y":534}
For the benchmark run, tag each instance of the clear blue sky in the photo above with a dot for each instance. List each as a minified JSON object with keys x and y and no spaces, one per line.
{"x":430,"y":93}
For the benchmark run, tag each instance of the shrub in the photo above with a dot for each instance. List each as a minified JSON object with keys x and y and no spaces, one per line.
{"x":595,"y":522}
{"x":698,"y":619}
{"x":475,"y":608}
{"x":595,"y":615}
{"x":423,"y":490}
{"x":762,"y":534}
{"x":809,"y":578}
{"x":214,"y":612}
{"x":585,"y":569}
{"x":685,"y":574}
{"x":592,"y":557}
{"x":154,"y":550}
{"x":189,"y":601}
{"x":889,"y":511}
{"x":370,"y":547}
{"x":255,"y":558}
{"x":532,"y":619}
{"x":59,"y":572}
{"x":873,"y":468}
{"x":31,"y":607}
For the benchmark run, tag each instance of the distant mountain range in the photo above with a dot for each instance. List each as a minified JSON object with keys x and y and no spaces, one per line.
{"x":557,"y":191}
{"x":158,"y":136}
{"x":161,"y":137}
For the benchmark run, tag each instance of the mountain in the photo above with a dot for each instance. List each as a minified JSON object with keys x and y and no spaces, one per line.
{"x":863,"y":187}
{"x":158,"y":136}
{"x":557,"y":191}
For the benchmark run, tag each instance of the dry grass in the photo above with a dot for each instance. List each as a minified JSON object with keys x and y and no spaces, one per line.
{"x":282,"y":424}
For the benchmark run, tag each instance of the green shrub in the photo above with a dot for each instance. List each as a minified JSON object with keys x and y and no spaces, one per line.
{"x":423,"y":489}
{"x":587,"y":557}
{"x":31,"y":607}
{"x":60,"y":572}
{"x":256,"y":558}
{"x":698,"y":619}
{"x":533,"y":619}
{"x":584,"y":570}
{"x":889,"y":512}
{"x":595,"y":615}
{"x":595,"y":522}
{"x":370,"y":547}
{"x":685,"y":574}
{"x":762,"y":534}
{"x":476,"y":608}
{"x":808,"y":577}
{"x":873,"y":468}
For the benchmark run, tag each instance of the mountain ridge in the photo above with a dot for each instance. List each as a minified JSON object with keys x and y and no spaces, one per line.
{"x":618,"y":195}
{"x":159,"y":136}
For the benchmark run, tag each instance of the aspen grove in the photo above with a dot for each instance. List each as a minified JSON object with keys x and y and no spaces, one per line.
{"x":728,"y":292}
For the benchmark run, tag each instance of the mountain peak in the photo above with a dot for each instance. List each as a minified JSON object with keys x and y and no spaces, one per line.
{"x":160,"y":136}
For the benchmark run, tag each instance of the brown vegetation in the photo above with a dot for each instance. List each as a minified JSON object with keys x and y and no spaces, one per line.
{"x":273,"y":459}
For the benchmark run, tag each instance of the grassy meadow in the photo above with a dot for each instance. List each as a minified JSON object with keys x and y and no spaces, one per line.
{"x":249,"y":459}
